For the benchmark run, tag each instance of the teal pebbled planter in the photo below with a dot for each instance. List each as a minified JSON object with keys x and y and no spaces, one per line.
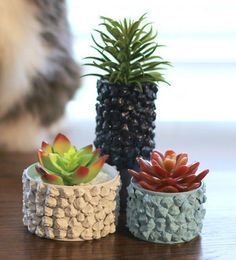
{"x":165,"y":217}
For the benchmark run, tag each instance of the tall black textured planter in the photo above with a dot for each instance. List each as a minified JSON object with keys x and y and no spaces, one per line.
{"x":125,"y":124}
{"x":129,"y":69}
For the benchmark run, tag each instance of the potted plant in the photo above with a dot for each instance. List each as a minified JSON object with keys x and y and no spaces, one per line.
{"x":165,"y":203}
{"x":70,"y":194}
{"x":128,"y":70}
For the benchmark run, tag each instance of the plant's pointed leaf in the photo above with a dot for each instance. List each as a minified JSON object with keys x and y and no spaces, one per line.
{"x":85,"y":150}
{"x":147,"y":186}
{"x":201,"y":175}
{"x":56,"y":163}
{"x":49,"y":177}
{"x":134,"y":174}
{"x":85,"y":159}
{"x":169,"y":164}
{"x":95,"y":168}
{"x":78,"y":175}
{"x":193,"y":186}
{"x":96,"y":155}
{"x":159,"y":172}
{"x":46,"y":147}
{"x":181,"y":159}
{"x":45,"y":161}
{"x":181,"y":170}
{"x":169,"y":189}
{"x":194,"y":167}
{"x":61,"y":144}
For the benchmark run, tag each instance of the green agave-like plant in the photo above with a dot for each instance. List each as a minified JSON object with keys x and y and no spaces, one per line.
{"x":62,"y":164}
{"x":127,"y":53}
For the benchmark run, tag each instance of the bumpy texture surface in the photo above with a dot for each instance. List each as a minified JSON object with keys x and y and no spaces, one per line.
{"x":125,"y":122}
{"x":165,"y":217}
{"x":70,"y":212}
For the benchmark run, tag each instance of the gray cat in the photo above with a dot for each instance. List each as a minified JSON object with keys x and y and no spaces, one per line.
{"x":37,"y":72}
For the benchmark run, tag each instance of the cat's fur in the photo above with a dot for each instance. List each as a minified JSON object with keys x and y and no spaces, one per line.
{"x":37,"y":72}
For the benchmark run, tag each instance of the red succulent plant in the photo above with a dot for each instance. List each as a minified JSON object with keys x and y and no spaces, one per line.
{"x":168,"y":172}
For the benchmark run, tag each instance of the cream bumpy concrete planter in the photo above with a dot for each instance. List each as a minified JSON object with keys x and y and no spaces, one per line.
{"x":165,"y":217}
{"x":76,"y":213}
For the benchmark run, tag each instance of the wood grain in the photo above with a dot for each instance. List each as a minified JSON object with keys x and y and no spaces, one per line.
{"x":218,"y":239}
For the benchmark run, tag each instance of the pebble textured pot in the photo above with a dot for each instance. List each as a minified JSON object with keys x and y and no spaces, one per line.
{"x":125,"y":122}
{"x":71,"y":212}
{"x":165,"y":217}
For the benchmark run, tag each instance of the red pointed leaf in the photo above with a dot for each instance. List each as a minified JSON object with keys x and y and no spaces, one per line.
{"x":193,"y":168}
{"x":134,"y":174}
{"x":147,"y":186}
{"x":181,"y":159}
{"x":180,"y":171}
{"x":187,"y":179}
{"x":193,"y":186}
{"x":168,"y":181}
{"x":201,"y":175}
{"x":149,"y":179}
{"x":156,"y":157}
{"x":170,"y":189}
{"x":160,"y":154}
{"x":158,"y":172}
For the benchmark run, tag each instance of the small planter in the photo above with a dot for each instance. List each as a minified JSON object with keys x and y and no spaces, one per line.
{"x":165,"y":217}
{"x":75,"y":213}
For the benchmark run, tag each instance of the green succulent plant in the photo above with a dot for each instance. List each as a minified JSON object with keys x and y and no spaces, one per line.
{"x":62,"y":164}
{"x":127,"y":53}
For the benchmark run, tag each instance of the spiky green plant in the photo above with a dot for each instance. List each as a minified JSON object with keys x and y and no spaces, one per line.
{"x":63,"y":164}
{"x":127,"y":52}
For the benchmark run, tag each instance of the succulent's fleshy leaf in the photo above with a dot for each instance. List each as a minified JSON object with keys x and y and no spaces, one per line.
{"x":46,"y":147}
{"x":187,"y":179}
{"x":159,"y":172}
{"x":193,"y":186}
{"x":45,"y":161}
{"x":147,"y":186}
{"x":149,"y":178}
{"x":170,"y":189}
{"x":79,"y":175}
{"x":134,"y":174}
{"x":157,"y":157}
{"x":49,"y":177}
{"x":169,"y":164}
{"x":201,"y":175}
{"x":181,"y":159}
{"x":144,"y":165}
{"x":170,"y":153}
{"x":55,"y":161}
{"x":180,"y":171}
{"x":85,"y":159}
{"x":85,"y":150}
{"x":96,"y":155}
{"x":95,"y":168}
{"x":193,"y":168}
{"x":61,"y":144}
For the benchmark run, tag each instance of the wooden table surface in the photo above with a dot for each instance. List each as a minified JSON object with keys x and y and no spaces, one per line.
{"x":218,"y":239}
